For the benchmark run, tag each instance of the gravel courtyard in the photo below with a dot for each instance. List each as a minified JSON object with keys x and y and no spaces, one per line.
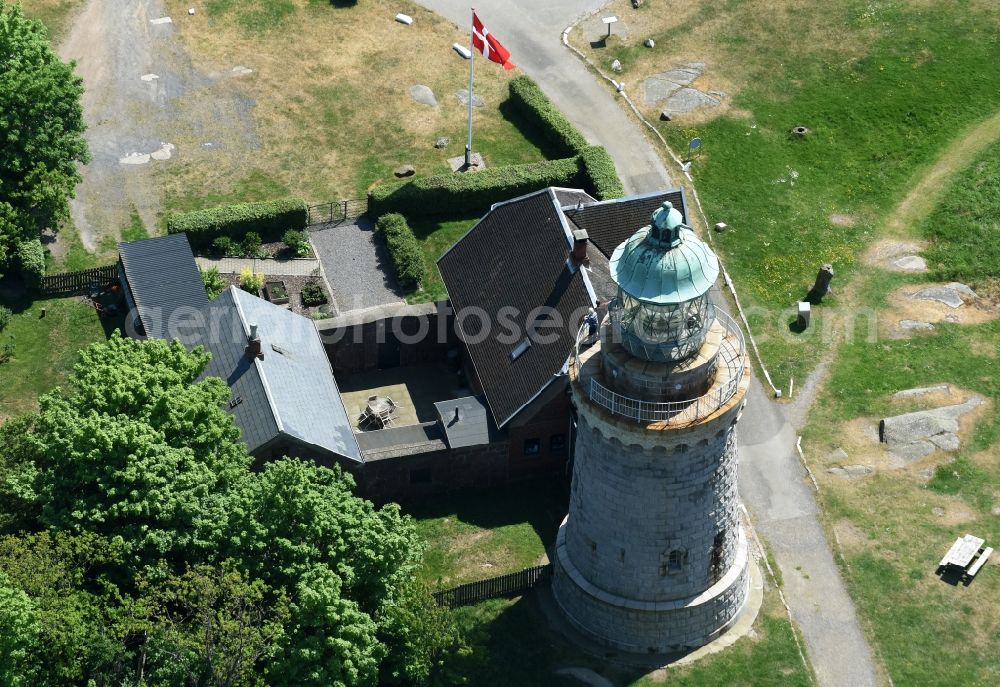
{"x":357,"y":266}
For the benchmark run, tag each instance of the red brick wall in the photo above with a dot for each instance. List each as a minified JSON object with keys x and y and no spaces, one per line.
{"x":549,"y":422}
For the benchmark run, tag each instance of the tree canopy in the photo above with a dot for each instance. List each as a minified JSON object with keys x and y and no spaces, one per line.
{"x":41,"y":132}
{"x":170,"y":561}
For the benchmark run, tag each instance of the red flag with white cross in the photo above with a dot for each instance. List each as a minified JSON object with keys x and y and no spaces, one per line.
{"x":488,"y":45}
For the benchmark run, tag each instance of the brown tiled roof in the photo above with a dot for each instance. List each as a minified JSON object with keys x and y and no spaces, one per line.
{"x":511,"y":262}
{"x":610,"y":222}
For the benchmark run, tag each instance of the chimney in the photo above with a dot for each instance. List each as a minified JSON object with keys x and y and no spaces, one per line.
{"x":253,"y":349}
{"x":458,"y":416}
{"x":580,"y":239}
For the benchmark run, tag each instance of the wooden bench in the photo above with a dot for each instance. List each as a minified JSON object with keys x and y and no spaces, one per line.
{"x":980,"y":562}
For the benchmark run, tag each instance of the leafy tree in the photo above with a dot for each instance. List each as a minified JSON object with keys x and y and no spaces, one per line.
{"x":18,"y":634}
{"x":79,"y":626}
{"x":168,"y":561}
{"x":138,"y":451}
{"x":41,"y":131}
{"x":210,"y":625}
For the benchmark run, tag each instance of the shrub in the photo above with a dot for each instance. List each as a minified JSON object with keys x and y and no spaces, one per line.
{"x":5,"y":315}
{"x":6,"y":352}
{"x":470,"y":193}
{"x":539,"y":111}
{"x":251,"y":245}
{"x":31,"y":257}
{"x":297,"y":241}
{"x":599,"y":174}
{"x":225,"y":247}
{"x":270,"y":219}
{"x":312,"y":293}
{"x":406,"y":253}
{"x":213,"y":281}
{"x":251,"y":281}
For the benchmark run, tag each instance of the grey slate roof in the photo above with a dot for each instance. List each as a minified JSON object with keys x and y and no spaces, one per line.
{"x":516,"y":256}
{"x":292,"y":390}
{"x":471,"y":428}
{"x":163,"y":278}
{"x":515,"y":260}
{"x":610,"y":222}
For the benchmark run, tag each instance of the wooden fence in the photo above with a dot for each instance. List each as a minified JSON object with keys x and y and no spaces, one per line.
{"x":71,"y":283}
{"x":511,"y":584}
{"x":336,"y":211}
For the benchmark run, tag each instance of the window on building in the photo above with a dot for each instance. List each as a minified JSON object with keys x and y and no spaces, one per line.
{"x":520,"y":348}
{"x":532,"y":447}
{"x":420,"y":476}
{"x":557,"y":443}
{"x":676,"y":561}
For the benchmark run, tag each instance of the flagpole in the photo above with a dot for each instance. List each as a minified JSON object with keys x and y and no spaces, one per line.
{"x":472,"y":58}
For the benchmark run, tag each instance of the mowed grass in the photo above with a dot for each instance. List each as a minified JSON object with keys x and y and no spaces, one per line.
{"x":895,"y":525}
{"x":436,"y":237}
{"x":55,"y":14}
{"x":329,"y":100}
{"x":45,"y":348}
{"x":480,"y":534}
{"x":883,"y":87}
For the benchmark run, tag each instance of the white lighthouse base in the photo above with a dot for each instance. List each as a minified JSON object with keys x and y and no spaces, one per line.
{"x":661,"y":627}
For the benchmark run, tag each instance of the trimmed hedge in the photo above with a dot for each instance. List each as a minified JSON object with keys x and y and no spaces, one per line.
{"x":270,"y":219}
{"x":539,"y":110}
{"x":599,"y":174}
{"x":404,"y":249}
{"x":472,"y":192}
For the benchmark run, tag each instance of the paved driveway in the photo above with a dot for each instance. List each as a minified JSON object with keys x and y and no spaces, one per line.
{"x":532,"y":31}
{"x":356,"y":265}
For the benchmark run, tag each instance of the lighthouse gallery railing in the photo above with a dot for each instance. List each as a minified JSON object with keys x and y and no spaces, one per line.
{"x":732,"y":363}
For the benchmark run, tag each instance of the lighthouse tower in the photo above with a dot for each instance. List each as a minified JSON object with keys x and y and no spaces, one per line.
{"x":652,"y":556}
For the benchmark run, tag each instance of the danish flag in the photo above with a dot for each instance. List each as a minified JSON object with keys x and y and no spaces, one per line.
{"x":489,"y":46}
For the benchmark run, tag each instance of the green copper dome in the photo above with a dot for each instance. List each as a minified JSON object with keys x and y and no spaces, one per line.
{"x":664,"y":263}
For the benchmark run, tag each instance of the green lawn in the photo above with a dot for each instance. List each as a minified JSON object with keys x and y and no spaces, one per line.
{"x":436,"y":237}
{"x":477,"y":534}
{"x":45,"y":347}
{"x":55,"y":14}
{"x":898,"y":523}
{"x":883,"y":88}
{"x":480,"y":534}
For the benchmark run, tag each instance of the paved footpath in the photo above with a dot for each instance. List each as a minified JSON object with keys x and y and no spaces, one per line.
{"x":532,"y":31}
{"x":287,"y":268}
{"x":772,"y":481}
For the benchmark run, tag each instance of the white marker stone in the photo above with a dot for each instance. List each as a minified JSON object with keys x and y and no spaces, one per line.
{"x":162,"y":20}
{"x":149,"y":77}
{"x":135,"y":159}
{"x":462,"y":50}
{"x":165,"y":152}
{"x":404,"y":19}
{"x":240,"y":70}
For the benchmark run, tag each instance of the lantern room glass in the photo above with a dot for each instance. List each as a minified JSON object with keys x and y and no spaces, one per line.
{"x":662,"y":332}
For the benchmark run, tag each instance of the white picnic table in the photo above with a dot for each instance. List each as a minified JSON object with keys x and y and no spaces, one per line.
{"x":963,"y":551}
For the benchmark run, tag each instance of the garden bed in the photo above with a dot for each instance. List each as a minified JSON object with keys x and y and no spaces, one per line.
{"x":293,"y":287}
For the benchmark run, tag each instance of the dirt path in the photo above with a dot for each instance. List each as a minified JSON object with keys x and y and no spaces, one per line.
{"x":926,"y":191}
{"x":142,"y":96}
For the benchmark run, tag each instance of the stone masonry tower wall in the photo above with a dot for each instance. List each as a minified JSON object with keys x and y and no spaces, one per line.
{"x":652,"y":556}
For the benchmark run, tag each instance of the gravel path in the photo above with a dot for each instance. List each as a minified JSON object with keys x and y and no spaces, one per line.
{"x":145,"y":105}
{"x":292,"y":268}
{"x":356,"y":265}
